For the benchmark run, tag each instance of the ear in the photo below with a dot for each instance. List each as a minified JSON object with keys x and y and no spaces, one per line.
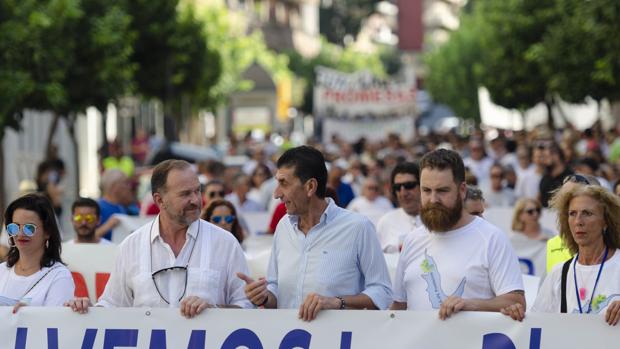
{"x":311,"y":187}
{"x":463,"y":189}
{"x":158,"y":199}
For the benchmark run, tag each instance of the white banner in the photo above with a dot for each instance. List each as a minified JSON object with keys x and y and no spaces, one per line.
{"x":360,"y":94}
{"x":53,"y":328}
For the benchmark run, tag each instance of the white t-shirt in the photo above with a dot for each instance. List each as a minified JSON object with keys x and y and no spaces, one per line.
{"x":473,"y":262}
{"x":372,"y":210}
{"x":479,"y":168}
{"x":393,"y":227}
{"x":532,"y":253}
{"x":528,"y":184}
{"x":51,"y":286}
{"x":607,"y":290}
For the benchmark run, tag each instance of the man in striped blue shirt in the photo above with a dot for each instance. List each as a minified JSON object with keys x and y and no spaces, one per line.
{"x":323,"y":256}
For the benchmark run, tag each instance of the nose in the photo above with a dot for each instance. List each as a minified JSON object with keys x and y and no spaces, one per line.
{"x":433,"y":198}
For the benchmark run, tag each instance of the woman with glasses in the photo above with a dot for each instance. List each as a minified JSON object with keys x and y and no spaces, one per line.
{"x":223,"y":214}
{"x":528,"y":237}
{"x":588,"y":283}
{"x":33,"y":273}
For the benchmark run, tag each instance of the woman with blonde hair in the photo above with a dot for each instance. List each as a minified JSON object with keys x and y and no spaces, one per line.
{"x":528,"y":237}
{"x":589,"y":283}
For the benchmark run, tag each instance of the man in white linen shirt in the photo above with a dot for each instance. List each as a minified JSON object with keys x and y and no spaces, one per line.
{"x":456,"y":261}
{"x":177,"y":260}
{"x":396,"y":224}
{"x":323,"y":256}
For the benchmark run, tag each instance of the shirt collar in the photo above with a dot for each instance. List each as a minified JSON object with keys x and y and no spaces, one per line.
{"x":327,"y":216}
{"x":191,"y":231}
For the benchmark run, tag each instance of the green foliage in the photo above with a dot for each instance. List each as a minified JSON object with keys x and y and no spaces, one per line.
{"x":454,"y":69}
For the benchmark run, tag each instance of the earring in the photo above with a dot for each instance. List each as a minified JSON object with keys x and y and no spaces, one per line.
{"x":11,"y":242}
{"x":47,"y":243}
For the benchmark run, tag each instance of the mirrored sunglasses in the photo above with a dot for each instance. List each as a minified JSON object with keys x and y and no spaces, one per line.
{"x":407,"y":185}
{"x":28,"y":229}
{"x":89,"y":218}
{"x":576,"y":178}
{"x":218,"y":219}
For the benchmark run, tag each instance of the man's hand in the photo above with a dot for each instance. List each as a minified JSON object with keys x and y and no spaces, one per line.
{"x":515,"y":311}
{"x":450,"y":306}
{"x":192,"y":306}
{"x":79,"y":304}
{"x":612,"y":314}
{"x":315,"y":303}
{"x":17,"y":306}
{"x":255,"y":291}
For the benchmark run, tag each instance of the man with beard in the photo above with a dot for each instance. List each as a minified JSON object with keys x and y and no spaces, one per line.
{"x":323,"y":256}
{"x":177,"y":260}
{"x":456,"y":261}
{"x":396,"y":224}
{"x":86,"y":217}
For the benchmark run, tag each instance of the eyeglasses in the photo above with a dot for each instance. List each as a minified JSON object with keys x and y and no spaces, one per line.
{"x":218,"y":219}
{"x":167,"y":279}
{"x":216,"y":193}
{"x":28,"y":229}
{"x":407,"y":185}
{"x":89,"y":218}
{"x":576,"y":178}
{"x":531,"y":211}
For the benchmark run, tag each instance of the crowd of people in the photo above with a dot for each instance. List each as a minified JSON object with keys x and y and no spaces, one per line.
{"x":336,"y":209}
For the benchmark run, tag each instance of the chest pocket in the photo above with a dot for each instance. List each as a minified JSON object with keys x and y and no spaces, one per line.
{"x":144,"y":292}
{"x":205,"y":283}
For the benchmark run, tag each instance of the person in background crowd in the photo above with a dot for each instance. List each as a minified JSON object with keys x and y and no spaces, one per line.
{"x":50,"y":174}
{"x":262,"y":186}
{"x":478,"y":162}
{"x":467,"y":263}
{"x":474,"y":201}
{"x":86,"y":217}
{"x":396,"y":224}
{"x":223,"y":214}
{"x":496,"y":194}
{"x":177,"y":260}
{"x":140,"y":146}
{"x":556,"y":171}
{"x":528,"y":182}
{"x":617,"y":187}
{"x":338,"y":249}
{"x":118,"y":160}
{"x":33,"y":273}
{"x":589,"y":222}
{"x":213,"y":190}
{"x":528,"y":237}
{"x":371,"y":203}
{"x":334,"y":180}
{"x":239,"y":196}
{"x":116,"y":192}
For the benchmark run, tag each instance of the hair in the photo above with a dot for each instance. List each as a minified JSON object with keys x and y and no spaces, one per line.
{"x":611,"y":213}
{"x":473,"y":193}
{"x":616,"y":184}
{"x":308,"y":163}
{"x":406,"y":168}
{"x":161,"y":171}
{"x":517,"y":225}
{"x":86,"y":202}
{"x":43,"y":208}
{"x":442,"y":159}
{"x":111,"y":177}
{"x":207,"y":213}
{"x":260,"y":166}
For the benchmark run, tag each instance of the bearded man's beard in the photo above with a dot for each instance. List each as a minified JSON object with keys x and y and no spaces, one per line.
{"x":439,"y":218}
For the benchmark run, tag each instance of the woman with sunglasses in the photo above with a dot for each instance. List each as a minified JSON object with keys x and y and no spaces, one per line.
{"x":223,"y":214}
{"x":528,"y":237}
{"x":33,"y":273}
{"x":588,"y":283}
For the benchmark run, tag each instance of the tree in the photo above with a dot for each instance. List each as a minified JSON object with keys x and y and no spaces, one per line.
{"x":454,"y":69}
{"x":344,"y":18}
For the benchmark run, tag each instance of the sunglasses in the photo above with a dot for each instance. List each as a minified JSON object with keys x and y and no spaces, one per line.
{"x":576,"y":178}
{"x":531,"y":211}
{"x":218,"y":219}
{"x":216,"y":193}
{"x":28,"y":229}
{"x":89,"y":218}
{"x":407,"y":185}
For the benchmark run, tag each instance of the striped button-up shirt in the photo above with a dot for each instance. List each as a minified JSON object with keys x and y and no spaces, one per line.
{"x":340,"y":256}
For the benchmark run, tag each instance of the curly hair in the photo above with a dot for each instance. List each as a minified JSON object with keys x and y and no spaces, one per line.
{"x":611,"y":208}
{"x":236,"y":227}
{"x":517,"y":225}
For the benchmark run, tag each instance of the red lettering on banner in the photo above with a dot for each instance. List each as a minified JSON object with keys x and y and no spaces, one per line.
{"x":80,"y":285}
{"x":101,"y":279}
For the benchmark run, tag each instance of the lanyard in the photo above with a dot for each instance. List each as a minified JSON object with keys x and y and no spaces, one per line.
{"x":598,"y":276}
